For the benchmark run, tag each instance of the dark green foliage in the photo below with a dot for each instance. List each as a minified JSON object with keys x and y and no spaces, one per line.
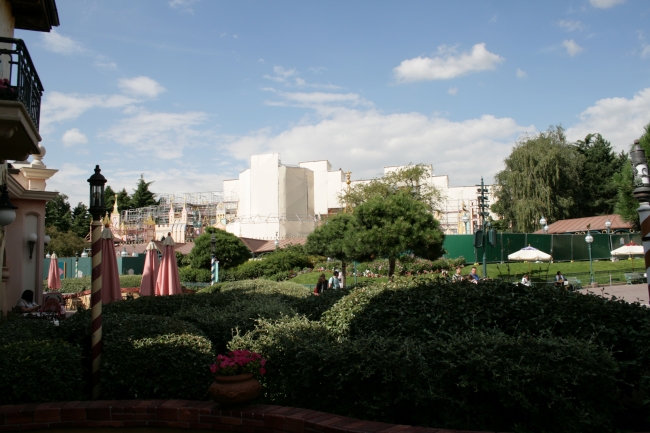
{"x":392,"y":226}
{"x":229,"y":250}
{"x":142,"y":197}
{"x":35,"y":366}
{"x":269,"y":265}
{"x":182,"y":259}
{"x":81,"y":221}
{"x":146,"y":356}
{"x":189,"y":274}
{"x":480,"y":380}
{"x":65,"y":244}
{"x":58,"y":213}
{"x":598,"y":194}
{"x":77,"y":285}
{"x":626,"y":204}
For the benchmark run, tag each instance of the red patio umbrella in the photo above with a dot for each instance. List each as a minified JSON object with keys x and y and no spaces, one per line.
{"x":150,"y":271}
{"x":111,"y":290}
{"x":168,"y":282}
{"x":53,"y":275}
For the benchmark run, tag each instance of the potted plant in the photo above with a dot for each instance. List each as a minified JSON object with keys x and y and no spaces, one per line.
{"x":236,"y":377}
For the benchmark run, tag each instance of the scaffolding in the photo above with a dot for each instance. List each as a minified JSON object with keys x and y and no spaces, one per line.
{"x":204,"y":209}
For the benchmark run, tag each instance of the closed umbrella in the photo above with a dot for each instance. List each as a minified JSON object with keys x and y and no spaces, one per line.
{"x":150,"y":271}
{"x":111,"y":290}
{"x":529,"y":254}
{"x":630,"y":249}
{"x":168,"y":282}
{"x":53,"y":275}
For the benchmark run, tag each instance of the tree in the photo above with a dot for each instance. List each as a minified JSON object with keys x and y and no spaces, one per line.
{"x":391,"y":227}
{"x":57,"y":213}
{"x":329,"y":239}
{"x":626,"y":204}
{"x":109,"y":198}
{"x":229,"y":249}
{"x":65,"y":244}
{"x":412,"y":179}
{"x":123,"y":200}
{"x":599,"y":191}
{"x":541,"y":178}
{"x":80,"y":221}
{"x":142,"y":197}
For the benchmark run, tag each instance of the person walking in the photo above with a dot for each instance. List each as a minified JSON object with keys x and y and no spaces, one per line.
{"x":334,"y":282}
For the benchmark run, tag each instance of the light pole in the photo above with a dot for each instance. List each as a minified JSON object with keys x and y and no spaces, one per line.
{"x":277,"y":241}
{"x":642,"y":194}
{"x":465,"y":219}
{"x":608,"y":226}
{"x":213,"y":242}
{"x":589,"y":239}
{"x":542,"y":222}
{"x":96,"y":209}
{"x":76,"y":264}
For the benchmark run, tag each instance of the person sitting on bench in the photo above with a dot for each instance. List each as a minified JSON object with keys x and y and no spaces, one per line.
{"x":26,"y":304}
{"x":560,"y":280}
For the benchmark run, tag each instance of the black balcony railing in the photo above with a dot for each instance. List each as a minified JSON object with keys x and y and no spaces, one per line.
{"x":18,"y":78}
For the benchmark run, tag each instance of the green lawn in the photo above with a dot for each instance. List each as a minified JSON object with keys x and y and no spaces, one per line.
{"x":538,"y":271}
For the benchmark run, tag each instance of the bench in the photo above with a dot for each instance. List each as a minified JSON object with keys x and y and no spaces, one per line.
{"x":634,"y":277}
{"x":576,"y":283}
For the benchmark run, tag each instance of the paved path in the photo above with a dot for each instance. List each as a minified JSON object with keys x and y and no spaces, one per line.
{"x":629,"y":292}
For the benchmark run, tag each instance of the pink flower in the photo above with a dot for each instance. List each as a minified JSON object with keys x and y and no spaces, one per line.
{"x":262,"y":370}
{"x":214,"y":368}
{"x":263,"y":362}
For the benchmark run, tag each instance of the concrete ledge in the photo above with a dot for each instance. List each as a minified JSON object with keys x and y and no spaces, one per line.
{"x":185,"y":414}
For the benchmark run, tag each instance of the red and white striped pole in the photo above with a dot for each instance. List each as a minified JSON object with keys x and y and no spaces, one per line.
{"x":642,"y":194}
{"x":96,"y":209}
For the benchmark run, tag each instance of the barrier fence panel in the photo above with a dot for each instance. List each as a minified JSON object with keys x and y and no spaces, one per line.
{"x":564,"y":247}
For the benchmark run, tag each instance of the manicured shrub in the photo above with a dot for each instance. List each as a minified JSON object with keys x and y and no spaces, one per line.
{"x":145,"y":356}
{"x":76,"y":285}
{"x":189,"y":274}
{"x":35,"y":366}
{"x":275,"y":265}
{"x":477,"y":380}
{"x":130,"y":281}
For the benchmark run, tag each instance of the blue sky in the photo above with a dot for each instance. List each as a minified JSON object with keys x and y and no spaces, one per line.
{"x":185,"y":91}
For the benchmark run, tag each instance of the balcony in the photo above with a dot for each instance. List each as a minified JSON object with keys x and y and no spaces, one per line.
{"x":20,"y":101}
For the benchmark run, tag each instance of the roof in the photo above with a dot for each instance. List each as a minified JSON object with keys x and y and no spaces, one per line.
{"x":265,"y":246}
{"x":38,"y":15}
{"x":595,"y":223}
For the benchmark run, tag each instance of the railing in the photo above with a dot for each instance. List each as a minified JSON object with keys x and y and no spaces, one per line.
{"x":19,"y":79}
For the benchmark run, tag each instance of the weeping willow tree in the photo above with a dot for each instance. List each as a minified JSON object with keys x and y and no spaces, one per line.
{"x":541,"y":178}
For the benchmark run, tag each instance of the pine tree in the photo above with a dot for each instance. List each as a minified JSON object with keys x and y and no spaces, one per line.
{"x":142,"y":197}
{"x":58,"y":214}
{"x":80,"y":220}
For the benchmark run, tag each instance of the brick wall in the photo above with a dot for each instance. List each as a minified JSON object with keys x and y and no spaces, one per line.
{"x":191,"y":415}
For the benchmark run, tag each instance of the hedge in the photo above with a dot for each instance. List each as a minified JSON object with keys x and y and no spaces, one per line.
{"x":76,"y":285}
{"x":146,"y":356}
{"x":35,"y":366}
{"x":477,"y":380}
{"x":189,"y":274}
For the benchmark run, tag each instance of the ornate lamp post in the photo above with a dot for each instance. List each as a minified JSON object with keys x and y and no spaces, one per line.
{"x":542,"y":222}
{"x":608,"y":226}
{"x":589,"y":239}
{"x":642,"y":194}
{"x":215,"y":263}
{"x":465,"y":219}
{"x":96,"y":209}
{"x":277,"y":241}
{"x":76,"y":264}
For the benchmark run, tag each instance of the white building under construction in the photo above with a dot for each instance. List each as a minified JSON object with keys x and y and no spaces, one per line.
{"x":271,"y":200}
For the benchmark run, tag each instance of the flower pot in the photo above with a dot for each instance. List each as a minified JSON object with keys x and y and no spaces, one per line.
{"x":235,"y":389}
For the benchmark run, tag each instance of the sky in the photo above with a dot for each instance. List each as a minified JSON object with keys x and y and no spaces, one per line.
{"x":183,"y":92}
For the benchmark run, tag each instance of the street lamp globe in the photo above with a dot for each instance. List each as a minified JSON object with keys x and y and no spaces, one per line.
{"x":542,"y":221}
{"x":465,"y":218}
{"x":546,"y":228}
{"x":84,"y":253}
{"x":608,"y":224}
{"x":589,"y":239}
{"x":124,"y":253}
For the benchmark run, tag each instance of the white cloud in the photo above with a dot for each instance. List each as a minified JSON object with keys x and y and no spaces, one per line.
{"x":365,"y":140}
{"x":447,"y":65}
{"x":619,"y":120}
{"x":59,"y":107}
{"x":111,"y":66}
{"x":452,"y":90}
{"x":72,"y":137}
{"x":141,"y":87}
{"x":521,"y":74}
{"x":570,"y":26}
{"x":57,"y":43}
{"x":289,"y":77}
{"x":572,"y":48}
{"x":182,"y":4}
{"x":164,"y":134}
{"x":281,"y":74}
{"x":645,"y":53}
{"x":605,"y":4}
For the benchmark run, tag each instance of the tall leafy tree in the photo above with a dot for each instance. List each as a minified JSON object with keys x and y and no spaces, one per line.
{"x":58,"y":213}
{"x":65,"y":244}
{"x":142,"y":197}
{"x":412,"y":180}
{"x":626,"y":204}
{"x":391,"y":227}
{"x":541,"y":178}
{"x":123,"y":199}
{"x":109,"y":198}
{"x":229,"y":250}
{"x":598,"y":194}
{"x":329,"y":239}
{"x":80,"y":220}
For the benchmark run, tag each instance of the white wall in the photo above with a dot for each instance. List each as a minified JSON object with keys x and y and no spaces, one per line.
{"x":264,"y":192}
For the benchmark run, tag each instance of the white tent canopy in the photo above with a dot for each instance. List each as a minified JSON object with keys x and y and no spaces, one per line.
{"x":630,"y":249}
{"x":529,"y":254}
